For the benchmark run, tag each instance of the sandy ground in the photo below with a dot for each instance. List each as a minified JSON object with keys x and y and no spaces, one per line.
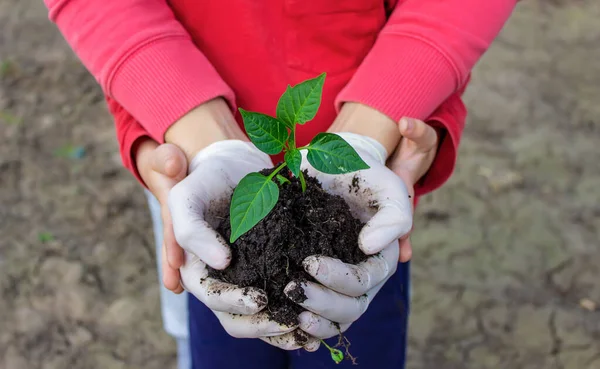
{"x":507,"y":256}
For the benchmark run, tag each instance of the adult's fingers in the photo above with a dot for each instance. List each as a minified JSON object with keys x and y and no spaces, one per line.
{"x":416,"y":150}
{"x":170,"y":276}
{"x":405,"y":249}
{"x":169,"y":160}
{"x":353,"y":280}
{"x":174,"y":252}
{"x":423,"y":136}
{"x":161,"y":167}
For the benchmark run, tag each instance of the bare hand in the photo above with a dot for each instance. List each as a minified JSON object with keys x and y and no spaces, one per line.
{"x":161,"y":168}
{"x":411,"y":160}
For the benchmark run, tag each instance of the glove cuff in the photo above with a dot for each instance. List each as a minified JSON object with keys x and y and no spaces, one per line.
{"x":231,"y":149}
{"x":366,"y":145}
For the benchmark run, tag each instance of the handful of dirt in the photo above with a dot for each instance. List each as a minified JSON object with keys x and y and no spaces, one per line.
{"x":270,"y":255}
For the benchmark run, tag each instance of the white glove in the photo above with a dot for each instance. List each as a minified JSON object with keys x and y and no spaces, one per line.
{"x":194,"y":202}
{"x":345,"y":291}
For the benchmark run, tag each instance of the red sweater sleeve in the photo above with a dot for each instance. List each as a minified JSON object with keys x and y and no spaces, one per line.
{"x":420,"y":63}
{"x":129,"y":132}
{"x":142,"y":57}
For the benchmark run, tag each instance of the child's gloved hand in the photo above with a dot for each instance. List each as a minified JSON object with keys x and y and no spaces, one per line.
{"x":194,"y":205}
{"x":345,"y":290}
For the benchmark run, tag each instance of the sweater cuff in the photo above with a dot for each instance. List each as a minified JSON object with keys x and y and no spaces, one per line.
{"x":402,"y":76}
{"x":162,"y":80}
{"x":128,"y":143}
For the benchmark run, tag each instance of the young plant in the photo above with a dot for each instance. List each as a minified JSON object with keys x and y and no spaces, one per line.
{"x":256,"y":195}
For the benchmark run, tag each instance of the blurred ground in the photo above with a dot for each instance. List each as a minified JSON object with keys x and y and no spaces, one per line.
{"x":507,"y":256}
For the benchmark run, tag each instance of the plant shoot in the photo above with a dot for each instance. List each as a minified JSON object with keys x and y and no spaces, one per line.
{"x":256,"y":194}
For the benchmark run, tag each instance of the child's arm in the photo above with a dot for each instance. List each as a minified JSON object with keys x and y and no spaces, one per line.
{"x":142,"y":57}
{"x":420,"y":65}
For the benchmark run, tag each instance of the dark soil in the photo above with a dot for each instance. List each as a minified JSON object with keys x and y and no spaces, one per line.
{"x":270,"y":255}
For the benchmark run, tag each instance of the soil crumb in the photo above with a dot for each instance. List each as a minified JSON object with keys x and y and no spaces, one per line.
{"x":302,"y":224}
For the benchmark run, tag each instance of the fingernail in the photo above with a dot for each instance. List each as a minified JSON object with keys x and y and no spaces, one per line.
{"x":406,"y":124}
{"x":295,"y":292}
{"x":375,"y":240}
{"x":253,"y":298}
{"x":313,"y":266}
{"x":169,"y":168}
{"x":301,"y":338}
{"x":218,"y":262}
{"x":306,"y":321}
{"x":290,"y":286}
{"x":312,"y":346}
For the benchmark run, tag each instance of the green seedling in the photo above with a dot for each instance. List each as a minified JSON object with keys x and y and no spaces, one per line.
{"x":336,"y":355}
{"x":256,"y":194}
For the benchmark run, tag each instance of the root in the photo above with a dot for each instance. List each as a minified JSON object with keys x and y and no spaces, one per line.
{"x":345,"y":343}
{"x":287,"y":265}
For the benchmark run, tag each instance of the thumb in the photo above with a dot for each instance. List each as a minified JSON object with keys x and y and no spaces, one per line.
{"x":423,"y":136}
{"x":169,"y":160}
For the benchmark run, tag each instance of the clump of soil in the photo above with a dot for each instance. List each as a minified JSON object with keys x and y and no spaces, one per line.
{"x":270,"y":255}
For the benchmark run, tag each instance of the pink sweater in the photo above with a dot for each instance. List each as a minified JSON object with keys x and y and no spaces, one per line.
{"x":158,"y":59}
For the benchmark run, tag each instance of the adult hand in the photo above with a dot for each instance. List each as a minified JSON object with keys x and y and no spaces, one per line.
{"x":161,"y":167}
{"x":411,"y":160}
{"x":345,"y":291}
{"x":197,"y":204}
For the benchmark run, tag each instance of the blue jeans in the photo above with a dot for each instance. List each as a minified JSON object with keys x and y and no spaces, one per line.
{"x":173,"y":307}
{"x":378,"y":338}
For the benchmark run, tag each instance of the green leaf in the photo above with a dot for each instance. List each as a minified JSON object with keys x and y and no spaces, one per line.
{"x":293,"y":159}
{"x":253,"y":198}
{"x":267,"y":133}
{"x":282,"y":180}
{"x":329,"y":153}
{"x":300,"y":103}
{"x":336,"y":355}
